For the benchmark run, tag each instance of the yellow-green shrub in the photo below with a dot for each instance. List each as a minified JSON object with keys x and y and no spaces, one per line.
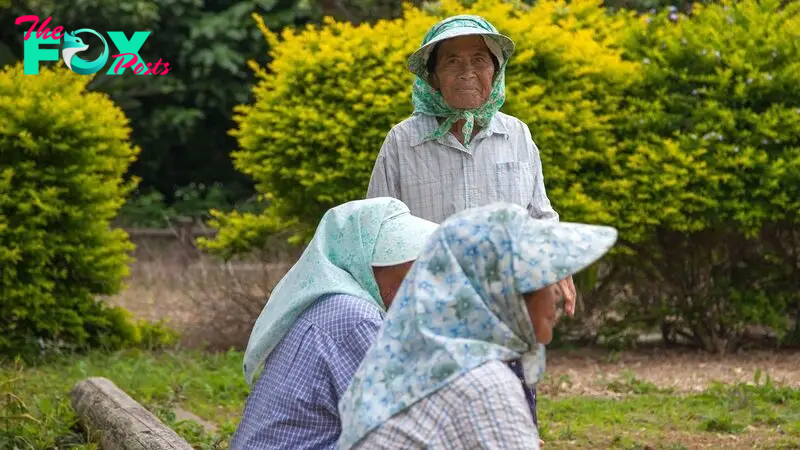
{"x":63,"y":153}
{"x":706,"y":174}
{"x":331,"y":95}
{"x":683,"y":134}
{"x":567,"y":81}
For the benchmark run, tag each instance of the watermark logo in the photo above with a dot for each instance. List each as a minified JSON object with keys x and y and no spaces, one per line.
{"x":128,"y":56}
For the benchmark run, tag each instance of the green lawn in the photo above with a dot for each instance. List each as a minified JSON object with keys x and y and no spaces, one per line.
{"x":209,"y":385}
{"x":35,"y":406}
{"x":739,"y":416}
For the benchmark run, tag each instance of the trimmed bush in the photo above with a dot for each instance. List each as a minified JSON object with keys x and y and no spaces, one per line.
{"x":63,"y":153}
{"x":681,"y":131}
{"x":706,"y":176}
{"x":332,"y":94}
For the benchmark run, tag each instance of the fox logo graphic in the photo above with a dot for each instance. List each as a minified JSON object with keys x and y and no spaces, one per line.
{"x":73,"y":45}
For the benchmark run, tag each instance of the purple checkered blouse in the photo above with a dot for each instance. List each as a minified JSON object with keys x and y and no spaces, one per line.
{"x":294,"y":403}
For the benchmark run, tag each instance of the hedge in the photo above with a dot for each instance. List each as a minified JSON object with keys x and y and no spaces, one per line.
{"x":63,"y":153}
{"x":331,"y":94}
{"x":706,"y":172}
{"x":680,"y":130}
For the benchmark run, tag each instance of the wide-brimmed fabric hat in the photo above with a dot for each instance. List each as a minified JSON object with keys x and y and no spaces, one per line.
{"x":462,"y":25}
{"x":401,"y":239}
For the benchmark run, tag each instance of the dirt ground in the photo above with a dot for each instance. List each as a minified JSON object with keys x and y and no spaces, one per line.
{"x":588,"y":372}
{"x":215,"y":304}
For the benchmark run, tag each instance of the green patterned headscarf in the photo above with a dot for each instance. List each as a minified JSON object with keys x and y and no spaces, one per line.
{"x":428,"y":100}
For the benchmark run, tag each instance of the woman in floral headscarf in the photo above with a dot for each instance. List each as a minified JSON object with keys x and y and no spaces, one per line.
{"x":466,"y":330}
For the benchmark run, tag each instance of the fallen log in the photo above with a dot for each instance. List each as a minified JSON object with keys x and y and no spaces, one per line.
{"x":118,"y":421}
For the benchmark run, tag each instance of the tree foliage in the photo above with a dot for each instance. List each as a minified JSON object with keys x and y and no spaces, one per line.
{"x":706,"y":176}
{"x":180,"y":119}
{"x":325,"y":103}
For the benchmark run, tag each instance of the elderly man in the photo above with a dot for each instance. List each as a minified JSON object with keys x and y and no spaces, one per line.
{"x":457,"y":151}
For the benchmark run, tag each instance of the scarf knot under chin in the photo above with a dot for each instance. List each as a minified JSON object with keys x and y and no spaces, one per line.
{"x":430,"y":101}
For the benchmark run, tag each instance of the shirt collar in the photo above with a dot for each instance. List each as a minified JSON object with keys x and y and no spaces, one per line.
{"x":429,"y":124}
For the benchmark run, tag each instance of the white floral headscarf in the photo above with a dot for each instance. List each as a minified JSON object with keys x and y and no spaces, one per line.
{"x":351,"y":238}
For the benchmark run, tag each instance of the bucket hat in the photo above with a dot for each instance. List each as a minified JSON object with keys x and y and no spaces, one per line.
{"x":462,"y":25}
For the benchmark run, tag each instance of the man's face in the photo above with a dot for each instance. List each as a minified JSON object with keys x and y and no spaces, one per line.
{"x":464,"y":72}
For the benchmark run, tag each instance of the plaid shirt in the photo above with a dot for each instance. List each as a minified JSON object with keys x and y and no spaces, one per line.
{"x":485,"y":408}
{"x":294,"y":403}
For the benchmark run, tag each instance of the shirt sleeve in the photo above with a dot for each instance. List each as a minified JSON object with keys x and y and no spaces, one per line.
{"x":344,"y":362}
{"x":384,"y":181}
{"x":540,"y":204}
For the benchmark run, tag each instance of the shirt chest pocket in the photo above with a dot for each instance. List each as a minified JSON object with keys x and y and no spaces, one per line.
{"x":514,"y":183}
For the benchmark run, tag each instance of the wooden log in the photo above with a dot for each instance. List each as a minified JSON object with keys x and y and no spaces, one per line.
{"x":118,"y":421}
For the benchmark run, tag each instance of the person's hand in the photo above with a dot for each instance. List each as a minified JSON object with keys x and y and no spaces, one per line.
{"x":541,"y":443}
{"x":567,"y":288}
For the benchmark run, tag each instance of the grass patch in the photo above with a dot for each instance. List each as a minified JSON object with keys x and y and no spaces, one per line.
{"x":650,"y":417}
{"x":35,"y":410}
{"x":629,"y":384}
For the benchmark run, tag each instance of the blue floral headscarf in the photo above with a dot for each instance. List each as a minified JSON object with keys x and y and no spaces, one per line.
{"x":461,"y":305}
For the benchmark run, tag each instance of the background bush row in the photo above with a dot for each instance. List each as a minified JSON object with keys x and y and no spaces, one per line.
{"x":679,"y":128}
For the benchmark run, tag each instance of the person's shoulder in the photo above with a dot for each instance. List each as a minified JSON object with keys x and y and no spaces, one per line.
{"x":488,"y":378}
{"x":412,"y":128}
{"x":511,"y":123}
{"x":402,"y":127}
{"x":411,"y":122}
{"x":338,"y":314}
